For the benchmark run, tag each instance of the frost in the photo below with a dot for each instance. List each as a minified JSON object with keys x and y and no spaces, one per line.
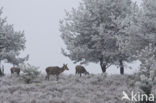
{"x":69,"y":89}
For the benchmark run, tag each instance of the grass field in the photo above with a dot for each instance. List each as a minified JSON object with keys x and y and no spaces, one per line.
{"x":69,"y":89}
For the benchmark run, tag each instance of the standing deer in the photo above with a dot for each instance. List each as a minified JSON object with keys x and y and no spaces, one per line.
{"x":15,"y":70}
{"x":55,"y":71}
{"x":81,"y":70}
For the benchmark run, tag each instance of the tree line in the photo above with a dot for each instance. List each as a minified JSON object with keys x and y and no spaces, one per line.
{"x":109,"y":32}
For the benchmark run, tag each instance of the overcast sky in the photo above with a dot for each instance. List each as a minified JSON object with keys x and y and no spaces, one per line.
{"x":40,"y":21}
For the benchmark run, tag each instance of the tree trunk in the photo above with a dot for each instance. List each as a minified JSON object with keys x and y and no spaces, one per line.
{"x":121,"y":67}
{"x":0,"y":72}
{"x":103,"y":66}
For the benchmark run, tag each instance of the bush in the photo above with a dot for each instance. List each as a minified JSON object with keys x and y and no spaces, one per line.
{"x":29,"y":73}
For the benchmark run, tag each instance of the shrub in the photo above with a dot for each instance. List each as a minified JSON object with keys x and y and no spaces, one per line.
{"x":147,"y":70}
{"x":29,"y":73}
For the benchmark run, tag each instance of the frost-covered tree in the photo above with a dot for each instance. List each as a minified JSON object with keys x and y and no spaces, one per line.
{"x":148,"y":20}
{"x":11,"y":42}
{"x":147,"y":70}
{"x":92,"y":31}
{"x":147,"y":56}
{"x":131,"y":39}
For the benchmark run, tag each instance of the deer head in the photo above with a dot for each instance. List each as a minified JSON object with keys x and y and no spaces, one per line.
{"x":65,"y":67}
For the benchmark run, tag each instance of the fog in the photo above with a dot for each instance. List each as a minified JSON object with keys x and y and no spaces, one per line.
{"x":40,"y":21}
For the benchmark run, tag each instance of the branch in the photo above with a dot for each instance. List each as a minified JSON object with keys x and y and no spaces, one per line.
{"x":108,"y":65}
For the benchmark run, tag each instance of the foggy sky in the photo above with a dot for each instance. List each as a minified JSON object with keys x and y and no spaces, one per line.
{"x":40,"y":21}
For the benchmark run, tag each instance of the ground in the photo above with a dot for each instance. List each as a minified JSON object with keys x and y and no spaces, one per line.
{"x":69,"y":89}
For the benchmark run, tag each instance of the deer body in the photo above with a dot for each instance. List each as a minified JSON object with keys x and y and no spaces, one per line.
{"x":55,"y":71}
{"x":15,"y":70}
{"x":81,"y":70}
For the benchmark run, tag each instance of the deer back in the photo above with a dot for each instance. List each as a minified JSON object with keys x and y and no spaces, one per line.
{"x":15,"y":69}
{"x":80,"y":69}
{"x":54,"y":70}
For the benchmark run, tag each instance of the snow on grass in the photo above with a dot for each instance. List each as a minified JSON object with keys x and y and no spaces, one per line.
{"x":69,"y":89}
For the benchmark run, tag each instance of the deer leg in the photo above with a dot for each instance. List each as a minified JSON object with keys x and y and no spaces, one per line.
{"x":80,"y":74}
{"x":18,"y":73}
{"x":47,"y":77}
{"x":11,"y":73}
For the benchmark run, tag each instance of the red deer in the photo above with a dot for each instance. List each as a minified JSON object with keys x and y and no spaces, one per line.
{"x":81,"y":70}
{"x":55,"y":71}
{"x":15,"y":70}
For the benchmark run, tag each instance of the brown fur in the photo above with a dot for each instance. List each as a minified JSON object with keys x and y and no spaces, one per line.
{"x":55,"y":71}
{"x":81,"y":70}
{"x":15,"y":70}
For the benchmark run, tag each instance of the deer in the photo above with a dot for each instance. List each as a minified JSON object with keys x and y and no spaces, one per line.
{"x":15,"y":70}
{"x":81,"y":70}
{"x":55,"y":70}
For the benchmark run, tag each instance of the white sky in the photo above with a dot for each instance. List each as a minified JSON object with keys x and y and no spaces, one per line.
{"x":40,"y":21}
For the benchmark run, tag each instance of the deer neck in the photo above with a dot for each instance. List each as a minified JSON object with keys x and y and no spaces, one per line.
{"x":62,"y":69}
